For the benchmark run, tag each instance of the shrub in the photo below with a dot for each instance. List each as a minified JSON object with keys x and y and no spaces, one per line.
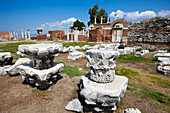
{"x":139,"y":49}
{"x":151,"y":50}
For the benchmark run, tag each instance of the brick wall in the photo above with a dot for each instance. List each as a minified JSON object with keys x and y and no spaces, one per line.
{"x":5,"y":35}
{"x":39,"y":37}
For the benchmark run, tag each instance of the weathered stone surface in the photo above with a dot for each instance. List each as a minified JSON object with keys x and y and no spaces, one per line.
{"x":132,"y":110}
{"x":75,"y":55}
{"x":102,"y":63}
{"x":74,"y":105}
{"x":102,"y":95}
{"x":141,"y":53}
{"x":2,"y":70}
{"x":41,"y":54}
{"x":161,"y":54}
{"x":19,"y":53}
{"x":13,"y":70}
{"x":5,"y":58}
{"x":161,"y":59}
{"x":71,"y":48}
{"x":78,"y":48}
{"x":85,"y":47}
{"x":43,"y":77}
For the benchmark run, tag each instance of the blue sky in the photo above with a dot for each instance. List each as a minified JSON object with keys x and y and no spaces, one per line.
{"x":59,"y":14}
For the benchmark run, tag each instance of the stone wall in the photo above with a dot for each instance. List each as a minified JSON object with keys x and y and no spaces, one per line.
{"x":153,"y":31}
{"x":40,"y":37}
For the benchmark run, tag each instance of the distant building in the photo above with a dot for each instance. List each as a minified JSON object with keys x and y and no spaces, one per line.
{"x":5,"y":35}
{"x":116,"y":31}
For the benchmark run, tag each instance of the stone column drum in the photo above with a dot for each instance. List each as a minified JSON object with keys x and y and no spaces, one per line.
{"x":101,"y":65}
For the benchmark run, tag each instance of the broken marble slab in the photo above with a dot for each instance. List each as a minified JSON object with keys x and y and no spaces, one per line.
{"x":161,"y":59}
{"x":164,"y":69}
{"x":19,"y":53}
{"x":77,"y":48}
{"x":85,"y":47}
{"x":5,"y":58}
{"x":2,"y":70}
{"x":75,"y":55}
{"x":13,"y":70}
{"x":75,"y":106}
{"x":63,"y":50}
{"x":132,"y":110}
{"x":141,"y":53}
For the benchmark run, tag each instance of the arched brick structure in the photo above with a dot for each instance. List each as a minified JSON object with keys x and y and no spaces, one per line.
{"x":119,"y":21}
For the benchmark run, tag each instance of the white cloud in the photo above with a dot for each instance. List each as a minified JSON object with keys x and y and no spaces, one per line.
{"x":164,"y":13}
{"x":133,"y":15}
{"x":119,"y":13}
{"x":57,"y":25}
{"x":136,"y":15}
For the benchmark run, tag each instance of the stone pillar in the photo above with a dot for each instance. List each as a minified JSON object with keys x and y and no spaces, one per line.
{"x":42,"y":32}
{"x":107,"y":18}
{"x":25,"y":35}
{"x":22,"y":33}
{"x":83,"y":30}
{"x":14,"y":34}
{"x":10,"y":36}
{"x":71,"y":34}
{"x":101,"y":20}
{"x":95,"y":20}
{"x":75,"y":34}
{"x":29,"y":37}
{"x":115,"y":16}
{"x":68,"y":34}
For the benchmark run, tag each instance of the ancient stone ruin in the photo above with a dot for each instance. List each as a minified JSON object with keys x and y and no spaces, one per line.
{"x":101,"y":89}
{"x":153,"y":31}
{"x":5,"y":58}
{"x":42,"y":70}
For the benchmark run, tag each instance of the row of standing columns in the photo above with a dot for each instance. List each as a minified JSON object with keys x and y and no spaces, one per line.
{"x":29,"y":35}
{"x":70,"y":31}
{"x":15,"y":35}
{"x":101,"y":21}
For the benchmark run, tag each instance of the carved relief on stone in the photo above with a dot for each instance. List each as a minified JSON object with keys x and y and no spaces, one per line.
{"x":102,"y":63}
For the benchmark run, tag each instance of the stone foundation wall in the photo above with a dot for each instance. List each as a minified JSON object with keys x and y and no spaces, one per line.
{"x":39,"y":37}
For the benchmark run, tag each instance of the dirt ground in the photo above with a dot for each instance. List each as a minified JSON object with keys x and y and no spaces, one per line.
{"x":16,"y":97}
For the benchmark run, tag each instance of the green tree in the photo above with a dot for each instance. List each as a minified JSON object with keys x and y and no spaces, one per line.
{"x":94,"y":12}
{"x":78,"y":24}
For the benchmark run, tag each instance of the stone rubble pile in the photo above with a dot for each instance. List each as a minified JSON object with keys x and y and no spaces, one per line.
{"x":164,"y":61}
{"x":101,"y":89}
